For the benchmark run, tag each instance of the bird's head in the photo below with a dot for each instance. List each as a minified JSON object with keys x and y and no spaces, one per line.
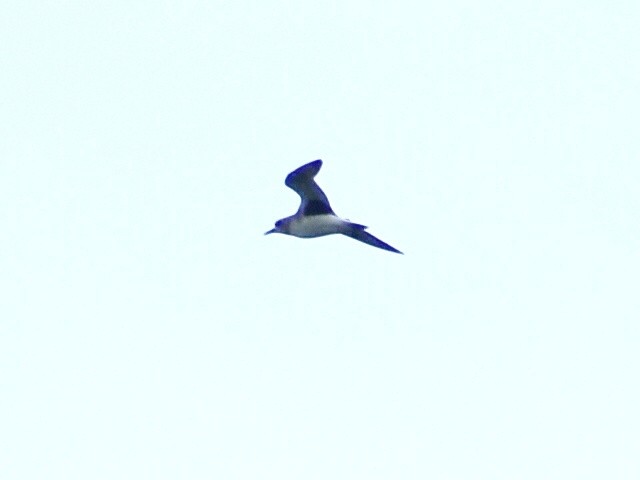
{"x":281,"y":226}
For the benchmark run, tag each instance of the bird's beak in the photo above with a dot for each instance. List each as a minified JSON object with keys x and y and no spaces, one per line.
{"x":273,"y":230}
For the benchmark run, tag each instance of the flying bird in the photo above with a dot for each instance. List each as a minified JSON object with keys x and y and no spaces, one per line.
{"x":315,"y":218}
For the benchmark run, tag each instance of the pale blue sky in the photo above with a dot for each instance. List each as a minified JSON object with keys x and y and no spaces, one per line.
{"x":150,"y":330}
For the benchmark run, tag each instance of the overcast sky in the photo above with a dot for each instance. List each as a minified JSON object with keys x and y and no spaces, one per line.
{"x":148,"y":328}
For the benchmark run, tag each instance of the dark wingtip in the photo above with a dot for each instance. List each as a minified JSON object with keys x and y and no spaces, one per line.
{"x":314,"y":167}
{"x":388,"y":247}
{"x":366,"y":237}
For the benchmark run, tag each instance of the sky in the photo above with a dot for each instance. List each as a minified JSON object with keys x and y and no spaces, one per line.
{"x":148,"y":328}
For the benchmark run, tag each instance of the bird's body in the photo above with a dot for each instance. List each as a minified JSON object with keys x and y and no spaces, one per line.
{"x":315,"y":217}
{"x":310,"y":226}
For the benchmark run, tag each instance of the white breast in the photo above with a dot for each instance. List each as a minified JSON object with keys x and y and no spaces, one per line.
{"x":316,"y":226}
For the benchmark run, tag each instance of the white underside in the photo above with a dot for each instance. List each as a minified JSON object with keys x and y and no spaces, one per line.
{"x":316,"y":226}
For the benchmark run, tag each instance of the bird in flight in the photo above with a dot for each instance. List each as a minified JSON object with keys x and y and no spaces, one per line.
{"x":315,"y":218}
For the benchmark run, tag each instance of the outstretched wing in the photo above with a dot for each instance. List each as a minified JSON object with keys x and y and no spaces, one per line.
{"x":314,"y":201}
{"x":359,"y":234}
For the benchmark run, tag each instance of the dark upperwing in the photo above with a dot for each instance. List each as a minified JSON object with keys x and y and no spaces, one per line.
{"x":313,"y":199}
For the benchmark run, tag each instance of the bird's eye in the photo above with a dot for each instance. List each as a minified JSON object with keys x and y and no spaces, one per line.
{"x":278,"y":223}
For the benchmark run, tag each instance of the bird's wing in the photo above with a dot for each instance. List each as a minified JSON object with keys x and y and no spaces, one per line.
{"x":314,"y":201}
{"x":359,"y":234}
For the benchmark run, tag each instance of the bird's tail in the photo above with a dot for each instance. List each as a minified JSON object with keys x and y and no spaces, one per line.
{"x":358,"y":233}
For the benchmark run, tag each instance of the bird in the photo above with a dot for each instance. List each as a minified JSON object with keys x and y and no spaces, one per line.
{"x":315,"y":217}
